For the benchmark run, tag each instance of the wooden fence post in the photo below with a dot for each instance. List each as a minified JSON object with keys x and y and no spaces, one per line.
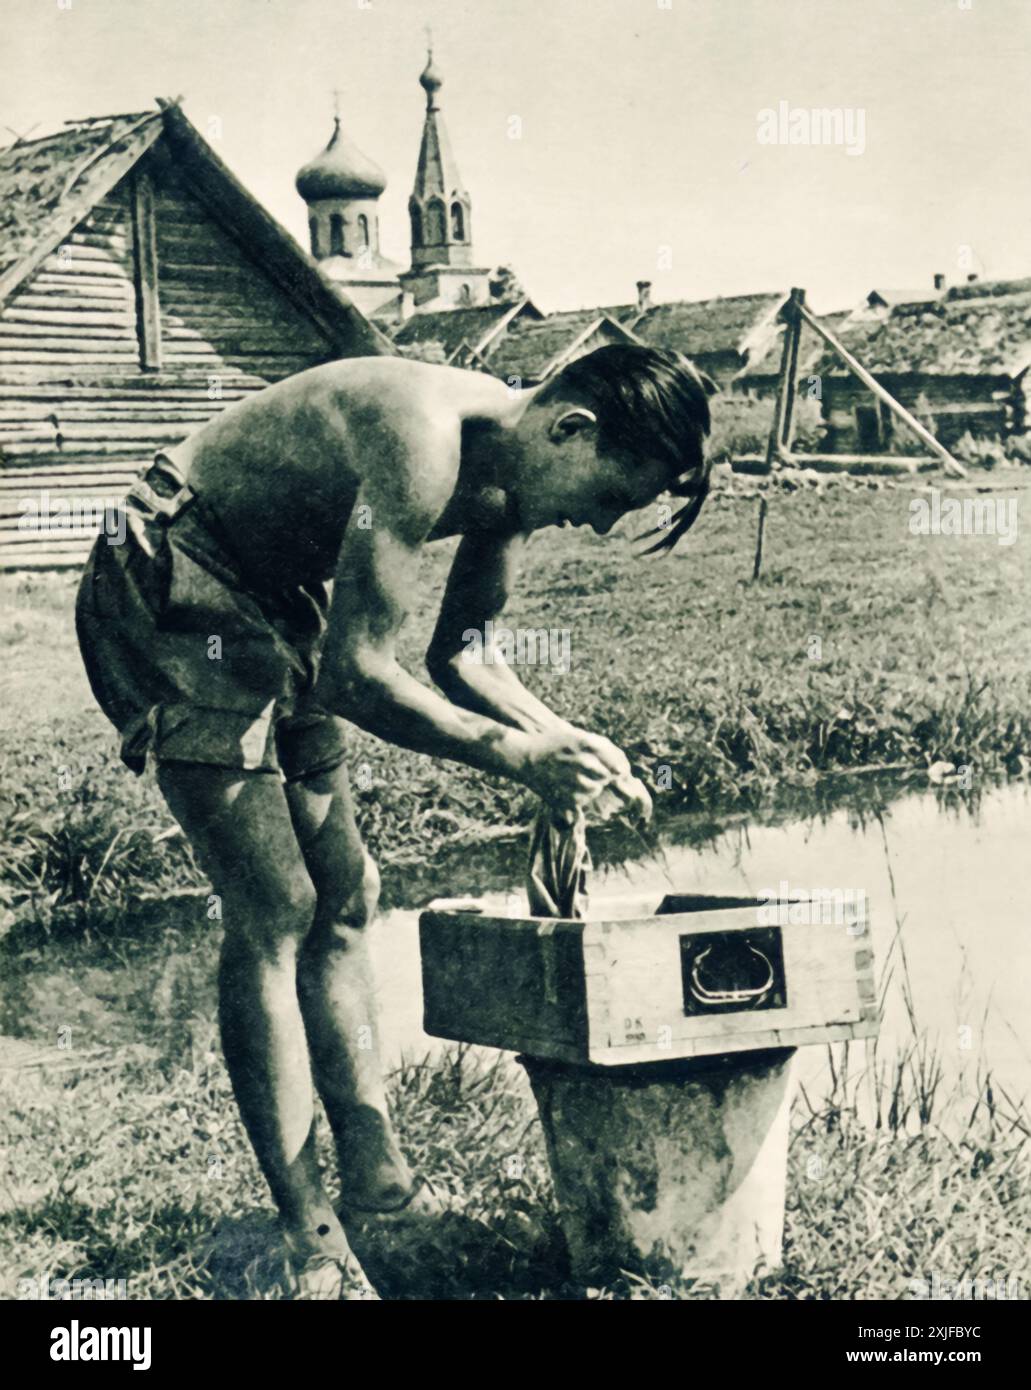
{"x":790,"y":385}
{"x":760,"y":532}
{"x":784,"y":403}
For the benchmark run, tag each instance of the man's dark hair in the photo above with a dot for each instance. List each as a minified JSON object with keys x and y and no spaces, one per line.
{"x":652,"y":403}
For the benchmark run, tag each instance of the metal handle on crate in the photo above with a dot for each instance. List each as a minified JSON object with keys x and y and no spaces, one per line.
{"x":729,"y":996}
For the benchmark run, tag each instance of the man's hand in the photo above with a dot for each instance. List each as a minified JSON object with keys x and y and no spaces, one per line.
{"x":572,"y":769}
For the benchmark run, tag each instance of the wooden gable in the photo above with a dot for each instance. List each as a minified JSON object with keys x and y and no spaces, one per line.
{"x":172,"y":296}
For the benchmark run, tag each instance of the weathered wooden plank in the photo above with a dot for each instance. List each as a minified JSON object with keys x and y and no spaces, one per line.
{"x":66,"y":474}
{"x":79,"y":466}
{"x":76,"y":430}
{"x":184,"y":271}
{"x":27,"y":384}
{"x":76,"y":261}
{"x":27,"y":434}
{"x":200,"y":235}
{"x":117,"y":412}
{"x":113,"y":246}
{"x":53,"y":331}
{"x":13,"y":509}
{"x":196,"y":351}
{"x":58,"y":361}
{"x":45,"y":558}
{"x":51,"y":536}
{"x":103,"y":347}
{"x":289,"y":366}
{"x":70,"y":472}
{"x":145,"y":259}
{"x":248,"y":342}
{"x":85,"y":371}
{"x":61,"y":313}
{"x":230,"y":317}
{"x":101,"y":449}
{"x":72,"y":290}
{"x":169,"y":385}
{"x":76,"y":249}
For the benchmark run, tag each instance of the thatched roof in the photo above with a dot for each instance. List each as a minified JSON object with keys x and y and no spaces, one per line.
{"x":48,"y":185}
{"x":890,"y":298}
{"x":977,"y":329}
{"x":621,"y":313}
{"x":530,"y":347}
{"x":703,"y":327}
{"x":451,"y":327}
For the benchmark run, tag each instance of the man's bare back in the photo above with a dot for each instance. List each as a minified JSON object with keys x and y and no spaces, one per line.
{"x":285,"y":468}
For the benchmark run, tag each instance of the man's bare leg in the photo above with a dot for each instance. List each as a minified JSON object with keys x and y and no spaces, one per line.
{"x":243,"y":835}
{"x":337,"y":992}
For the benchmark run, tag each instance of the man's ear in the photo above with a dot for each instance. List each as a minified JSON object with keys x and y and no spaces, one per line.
{"x":571,"y":422}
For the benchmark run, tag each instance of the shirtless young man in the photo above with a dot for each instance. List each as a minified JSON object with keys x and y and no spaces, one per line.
{"x":212,"y":644}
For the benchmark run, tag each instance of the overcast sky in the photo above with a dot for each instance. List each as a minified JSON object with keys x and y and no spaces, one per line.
{"x":638,"y":155}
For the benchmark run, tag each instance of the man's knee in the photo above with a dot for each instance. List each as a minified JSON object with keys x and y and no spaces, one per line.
{"x":348,"y":903}
{"x":276,"y":916}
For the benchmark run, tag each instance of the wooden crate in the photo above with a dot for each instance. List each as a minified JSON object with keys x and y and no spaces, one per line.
{"x":703,"y":976}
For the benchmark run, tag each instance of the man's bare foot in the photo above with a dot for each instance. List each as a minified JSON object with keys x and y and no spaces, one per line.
{"x":323,"y":1278}
{"x":325,"y":1267}
{"x":396,"y":1208}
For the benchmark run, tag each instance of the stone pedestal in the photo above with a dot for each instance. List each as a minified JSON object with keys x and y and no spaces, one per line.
{"x":669,"y":1169}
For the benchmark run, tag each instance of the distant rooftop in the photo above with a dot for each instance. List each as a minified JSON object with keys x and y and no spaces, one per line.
{"x":976,"y":329}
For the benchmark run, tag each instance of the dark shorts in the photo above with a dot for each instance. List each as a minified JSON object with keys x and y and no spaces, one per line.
{"x":190,"y":662}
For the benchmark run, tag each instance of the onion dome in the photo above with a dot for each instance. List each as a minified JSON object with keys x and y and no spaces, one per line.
{"x":340,"y":171}
{"x":430,"y":80}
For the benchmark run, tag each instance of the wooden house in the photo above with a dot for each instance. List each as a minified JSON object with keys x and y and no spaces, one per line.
{"x":533,"y":349}
{"x":460,"y":337}
{"x":721,"y":336}
{"x":142,"y":289}
{"x":959,"y":362}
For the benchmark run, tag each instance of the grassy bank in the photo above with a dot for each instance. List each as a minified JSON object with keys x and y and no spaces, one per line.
{"x":135,"y":1167}
{"x":860,"y":645}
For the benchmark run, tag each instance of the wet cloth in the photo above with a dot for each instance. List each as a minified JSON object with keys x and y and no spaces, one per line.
{"x":189,"y":661}
{"x":556,"y":883}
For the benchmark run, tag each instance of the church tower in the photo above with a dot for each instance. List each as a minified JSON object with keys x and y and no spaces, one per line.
{"x":341,"y":187}
{"x":443,"y":273}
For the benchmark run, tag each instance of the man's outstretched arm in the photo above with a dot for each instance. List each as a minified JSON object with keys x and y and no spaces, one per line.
{"x":477,"y":591}
{"x":361,"y":679}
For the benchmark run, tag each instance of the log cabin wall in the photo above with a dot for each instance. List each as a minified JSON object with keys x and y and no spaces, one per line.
{"x":218,"y":309}
{"x":985,"y":406}
{"x":90,"y":387}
